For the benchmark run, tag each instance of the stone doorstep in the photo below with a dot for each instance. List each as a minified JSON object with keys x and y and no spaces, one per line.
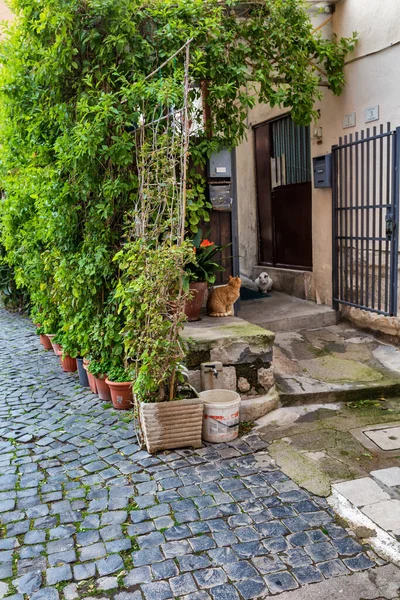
{"x":328,"y":396}
{"x":229,"y":340}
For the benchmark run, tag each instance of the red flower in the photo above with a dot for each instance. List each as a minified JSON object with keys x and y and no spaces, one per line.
{"x":206,"y":243}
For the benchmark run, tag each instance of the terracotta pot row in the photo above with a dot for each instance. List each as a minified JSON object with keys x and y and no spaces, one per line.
{"x":119,"y":393}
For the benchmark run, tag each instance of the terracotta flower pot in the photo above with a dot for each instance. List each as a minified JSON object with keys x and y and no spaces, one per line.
{"x":91,"y":379}
{"x":193,"y":306}
{"x":121,"y":394}
{"x":102,"y":388}
{"x":68,"y":363}
{"x":46,"y":343}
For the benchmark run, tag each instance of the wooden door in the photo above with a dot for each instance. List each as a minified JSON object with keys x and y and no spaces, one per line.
{"x":284,"y":194}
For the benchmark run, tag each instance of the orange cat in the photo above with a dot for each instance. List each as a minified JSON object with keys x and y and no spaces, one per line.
{"x":221,"y":300}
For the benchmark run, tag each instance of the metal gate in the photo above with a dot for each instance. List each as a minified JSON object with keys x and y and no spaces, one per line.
{"x":366,"y":184}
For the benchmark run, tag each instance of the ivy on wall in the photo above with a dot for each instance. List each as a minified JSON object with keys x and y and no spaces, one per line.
{"x":72,"y":72}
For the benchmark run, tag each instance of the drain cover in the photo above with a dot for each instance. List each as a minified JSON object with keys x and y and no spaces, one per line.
{"x":385,"y":439}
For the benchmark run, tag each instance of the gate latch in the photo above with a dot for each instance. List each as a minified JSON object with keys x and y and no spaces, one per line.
{"x":389,"y":225}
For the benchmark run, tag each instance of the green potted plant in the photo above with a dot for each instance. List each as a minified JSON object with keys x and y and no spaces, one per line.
{"x":199,"y":273}
{"x":152,"y":297}
{"x":120,"y":387}
{"x":44,"y":339}
{"x":99,"y":369}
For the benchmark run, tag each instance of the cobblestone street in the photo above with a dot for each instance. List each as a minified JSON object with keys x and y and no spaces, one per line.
{"x":85,"y":513}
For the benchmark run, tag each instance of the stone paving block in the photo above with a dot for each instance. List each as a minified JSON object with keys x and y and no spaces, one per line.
{"x":386,"y":514}
{"x":249,"y":549}
{"x":359,"y":562}
{"x":6,"y":571}
{"x":84,"y":571}
{"x":159,"y":590}
{"x":333,"y":568}
{"x":389,"y":477}
{"x":109,"y":564}
{"x":321,"y":552}
{"x":174,"y":549}
{"x":307,"y":574}
{"x":182,"y":585}
{"x":129,"y":596}
{"x":296,"y":557}
{"x":147,"y":557}
{"x":165,"y":570}
{"x":208,"y":578}
{"x":55,"y":575}
{"x":85,"y":538}
{"x":237,"y":571}
{"x":252,"y":588}
{"x":347,"y":546}
{"x":280,"y":582}
{"x":138,"y":576}
{"x":46,"y":594}
{"x":92,"y":552}
{"x":29,"y":583}
{"x":118,"y":545}
{"x":224,"y":592}
{"x":361,"y":492}
{"x":191,"y":562}
{"x":62,"y":557}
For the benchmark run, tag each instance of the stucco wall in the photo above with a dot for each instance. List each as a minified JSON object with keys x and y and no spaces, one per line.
{"x":373,"y":80}
{"x":5,"y":12}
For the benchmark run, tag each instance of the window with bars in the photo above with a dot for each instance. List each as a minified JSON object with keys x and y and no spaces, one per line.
{"x":291,"y":153}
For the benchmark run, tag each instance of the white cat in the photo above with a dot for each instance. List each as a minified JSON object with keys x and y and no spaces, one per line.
{"x":264,"y":282}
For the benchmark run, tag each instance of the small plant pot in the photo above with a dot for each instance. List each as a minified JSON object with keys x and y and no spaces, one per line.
{"x":121,"y":394}
{"x":91,"y":379}
{"x":168,"y":425}
{"x":83,"y":377}
{"x":103,"y":390}
{"x":57,"y":350}
{"x":193,"y":306}
{"x":68,"y":363}
{"x":46,"y":343}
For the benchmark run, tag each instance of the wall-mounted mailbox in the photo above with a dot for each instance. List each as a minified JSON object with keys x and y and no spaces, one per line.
{"x":220,"y":196}
{"x":323,"y":171}
{"x":219,"y":166}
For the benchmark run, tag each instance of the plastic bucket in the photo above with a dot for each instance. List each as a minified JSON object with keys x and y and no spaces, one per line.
{"x":221,"y":415}
{"x":83,"y":378}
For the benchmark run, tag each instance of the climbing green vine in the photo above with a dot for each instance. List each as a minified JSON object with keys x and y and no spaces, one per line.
{"x":71,"y":82}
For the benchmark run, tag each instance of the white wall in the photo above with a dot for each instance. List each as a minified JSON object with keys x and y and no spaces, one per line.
{"x":370,"y":81}
{"x":5,"y":12}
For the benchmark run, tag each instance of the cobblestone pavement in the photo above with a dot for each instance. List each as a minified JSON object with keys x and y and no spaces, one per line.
{"x":84,"y":512}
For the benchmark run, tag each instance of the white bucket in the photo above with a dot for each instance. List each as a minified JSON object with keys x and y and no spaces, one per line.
{"x":221,"y":415}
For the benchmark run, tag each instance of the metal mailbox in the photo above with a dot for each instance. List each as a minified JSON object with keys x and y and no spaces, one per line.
{"x":220,"y":165}
{"x":323,"y":171}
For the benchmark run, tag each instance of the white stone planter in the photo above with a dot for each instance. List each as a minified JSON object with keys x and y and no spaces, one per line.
{"x":169,"y":425}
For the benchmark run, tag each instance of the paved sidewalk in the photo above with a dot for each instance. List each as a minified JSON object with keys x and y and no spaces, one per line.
{"x":85,"y":513}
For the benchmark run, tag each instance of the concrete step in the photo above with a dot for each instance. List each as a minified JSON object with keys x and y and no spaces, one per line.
{"x":281,"y":312}
{"x":333,"y":364}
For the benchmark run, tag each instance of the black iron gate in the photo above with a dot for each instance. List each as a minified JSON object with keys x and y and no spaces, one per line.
{"x":366,"y":184}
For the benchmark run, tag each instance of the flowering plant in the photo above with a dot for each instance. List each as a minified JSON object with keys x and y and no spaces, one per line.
{"x":204,"y":266}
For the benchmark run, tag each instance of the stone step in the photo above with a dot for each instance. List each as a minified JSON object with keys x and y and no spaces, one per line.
{"x":281,"y":312}
{"x":334,"y":364}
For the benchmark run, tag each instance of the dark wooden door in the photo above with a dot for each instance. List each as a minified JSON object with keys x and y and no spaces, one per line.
{"x":284,"y":194}
{"x":221,"y":233}
{"x":291,"y":207}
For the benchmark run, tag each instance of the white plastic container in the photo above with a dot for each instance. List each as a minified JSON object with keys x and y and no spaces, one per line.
{"x":221,"y":415}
